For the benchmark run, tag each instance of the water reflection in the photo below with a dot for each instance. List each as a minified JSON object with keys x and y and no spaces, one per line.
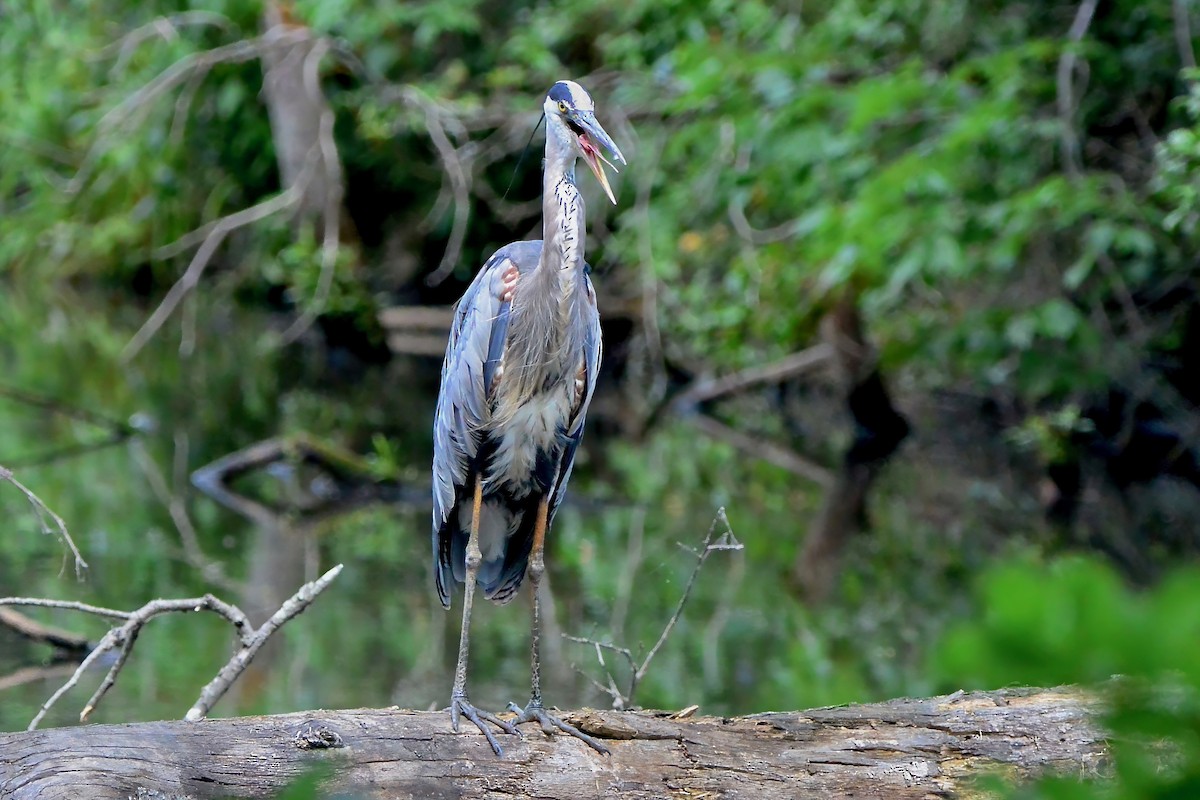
{"x":334,"y":468}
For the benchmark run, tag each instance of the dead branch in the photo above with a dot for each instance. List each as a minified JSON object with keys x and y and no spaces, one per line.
{"x":42,"y":511}
{"x":200,"y":261}
{"x":302,"y":121}
{"x":789,"y":367}
{"x":624,"y":699}
{"x":122,"y":638}
{"x":458,"y":175}
{"x":69,"y":605}
{"x":347,"y":481}
{"x":910,"y":749}
{"x":189,"y":73}
{"x":768,"y":451}
{"x":165,"y":27}
{"x":296,"y":604}
{"x":133,"y":108}
{"x":62,"y":640}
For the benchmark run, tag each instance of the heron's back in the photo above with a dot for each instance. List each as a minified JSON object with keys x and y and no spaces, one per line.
{"x":524,"y":430}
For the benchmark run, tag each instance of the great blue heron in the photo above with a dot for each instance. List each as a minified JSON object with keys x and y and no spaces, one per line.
{"x":519,"y":372}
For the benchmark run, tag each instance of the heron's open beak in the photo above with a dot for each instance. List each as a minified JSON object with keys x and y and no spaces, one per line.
{"x":591,"y":138}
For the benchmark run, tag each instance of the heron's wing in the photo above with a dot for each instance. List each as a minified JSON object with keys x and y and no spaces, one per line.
{"x":473,"y":352}
{"x":592,"y":351}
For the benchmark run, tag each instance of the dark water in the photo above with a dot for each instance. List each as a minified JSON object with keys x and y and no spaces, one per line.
{"x":619,"y":553}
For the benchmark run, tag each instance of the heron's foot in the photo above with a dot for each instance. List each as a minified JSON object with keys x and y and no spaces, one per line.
{"x":508,"y":284}
{"x":550,"y":723}
{"x":460,"y":706}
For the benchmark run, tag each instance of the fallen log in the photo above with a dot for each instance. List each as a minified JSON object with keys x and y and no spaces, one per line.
{"x":909,"y":748}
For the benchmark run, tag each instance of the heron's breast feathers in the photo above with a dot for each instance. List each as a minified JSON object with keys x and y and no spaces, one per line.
{"x":523,"y":431}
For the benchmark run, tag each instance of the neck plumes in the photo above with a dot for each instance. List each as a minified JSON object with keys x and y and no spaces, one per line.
{"x":563,"y":229}
{"x":544,"y":348}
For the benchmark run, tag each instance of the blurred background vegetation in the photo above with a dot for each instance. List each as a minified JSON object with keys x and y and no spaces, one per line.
{"x":975,"y":222}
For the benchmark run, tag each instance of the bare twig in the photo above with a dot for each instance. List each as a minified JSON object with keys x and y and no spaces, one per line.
{"x":229,"y":673}
{"x":624,"y":699}
{"x":1067,"y":102}
{"x":70,"y":605}
{"x":165,"y":27}
{"x":122,"y":638}
{"x":216,"y":234}
{"x":726,"y":541}
{"x":41,"y":511}
{"x":458,"y":175}
{"x":110,"y":677}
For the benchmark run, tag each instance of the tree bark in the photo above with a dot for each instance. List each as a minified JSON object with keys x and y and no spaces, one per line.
{"x":923,"y":748}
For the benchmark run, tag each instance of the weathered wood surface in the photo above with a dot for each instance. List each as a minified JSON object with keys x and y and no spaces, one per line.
{"x":926,"y":748}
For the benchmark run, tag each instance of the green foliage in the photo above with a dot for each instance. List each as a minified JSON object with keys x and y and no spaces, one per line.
{"x":1073,"y":621}
{"x":909,"y":155}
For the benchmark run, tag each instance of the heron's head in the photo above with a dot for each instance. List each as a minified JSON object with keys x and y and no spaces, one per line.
{"x":571,"y":117}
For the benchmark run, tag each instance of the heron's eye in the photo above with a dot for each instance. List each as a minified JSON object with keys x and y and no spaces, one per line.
{"x":562,"y":106}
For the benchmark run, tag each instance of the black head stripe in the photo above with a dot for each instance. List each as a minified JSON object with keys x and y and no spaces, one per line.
{"x":572,"y":94}
{"x":561,"y":92}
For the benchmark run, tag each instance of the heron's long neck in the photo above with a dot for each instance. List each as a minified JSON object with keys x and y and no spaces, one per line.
{"x":563,"y":219}
{"x":548,"y":340}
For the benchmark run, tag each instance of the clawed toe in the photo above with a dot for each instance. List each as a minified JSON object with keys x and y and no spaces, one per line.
{"x":460,"y":706}
{"x":551,"y":723}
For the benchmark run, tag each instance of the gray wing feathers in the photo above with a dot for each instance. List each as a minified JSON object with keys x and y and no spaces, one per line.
{"x":462,"y":399}
{"x":473,"y":352}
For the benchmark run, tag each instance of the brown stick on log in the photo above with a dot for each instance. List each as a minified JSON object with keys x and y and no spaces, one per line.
{"x":900,"y":750}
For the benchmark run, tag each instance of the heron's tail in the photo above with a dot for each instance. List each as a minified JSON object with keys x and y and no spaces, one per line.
{"x":505,"y":540}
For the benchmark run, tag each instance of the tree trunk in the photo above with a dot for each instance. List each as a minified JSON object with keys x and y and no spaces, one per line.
{"x":925,"y":748}
{"x":296,"y":108}
{"x":879,"y":430}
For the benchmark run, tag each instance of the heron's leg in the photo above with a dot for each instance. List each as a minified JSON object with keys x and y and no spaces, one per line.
{"x":459,"y":705}
{"x":508,"y":283}
{"x":535,"y":710}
